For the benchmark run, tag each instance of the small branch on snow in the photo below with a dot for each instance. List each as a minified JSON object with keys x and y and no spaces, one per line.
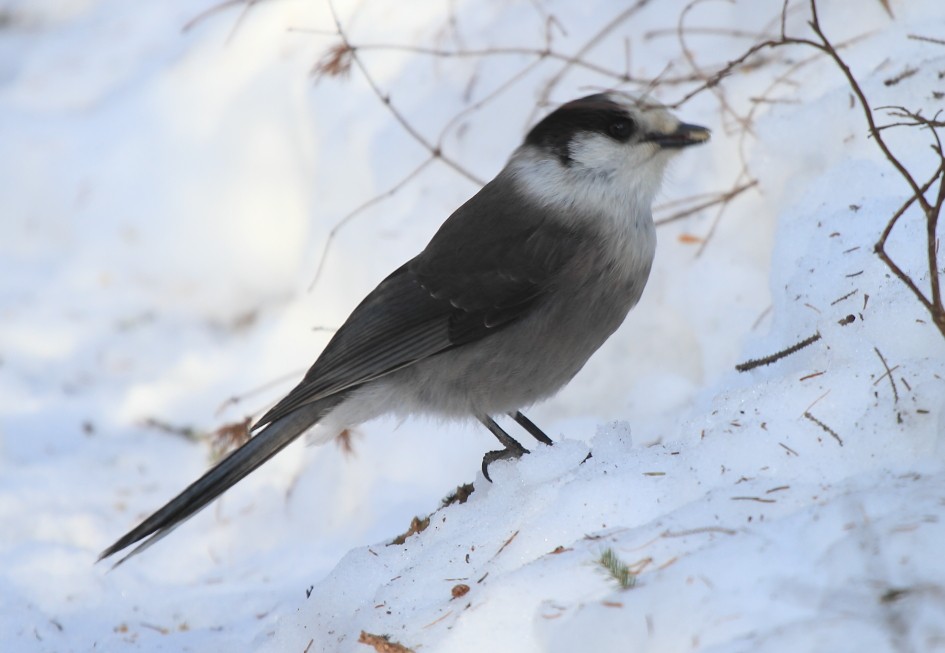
{"x":826,"y":428}
{"x":767,"y":360}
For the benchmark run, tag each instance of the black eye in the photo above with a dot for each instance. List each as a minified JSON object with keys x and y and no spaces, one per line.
{"x":621,"y":129}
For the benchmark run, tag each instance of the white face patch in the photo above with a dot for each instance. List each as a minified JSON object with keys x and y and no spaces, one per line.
{"x":606,"y":181}
{"x":603,"y":174}
{"x":631,"y":168}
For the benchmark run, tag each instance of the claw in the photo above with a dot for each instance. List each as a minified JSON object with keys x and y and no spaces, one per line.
{"x":501,"y":454}
{"x":513,"y":449}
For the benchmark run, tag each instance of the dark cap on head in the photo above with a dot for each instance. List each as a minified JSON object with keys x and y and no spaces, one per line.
{"x":594,"y":113}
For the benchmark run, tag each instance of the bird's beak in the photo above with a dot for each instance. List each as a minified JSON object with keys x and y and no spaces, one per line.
{"x":683,"y":136}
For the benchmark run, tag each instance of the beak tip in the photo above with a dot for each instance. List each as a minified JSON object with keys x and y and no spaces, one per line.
{"x":682,"y":136}
{"x":694,"y":134}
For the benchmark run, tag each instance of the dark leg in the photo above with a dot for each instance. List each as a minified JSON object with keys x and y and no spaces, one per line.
{"x":512,"y":448}
{"x":531,"y":427}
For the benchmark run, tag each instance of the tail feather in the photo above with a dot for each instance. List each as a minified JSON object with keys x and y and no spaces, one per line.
{"x":229,"y":471}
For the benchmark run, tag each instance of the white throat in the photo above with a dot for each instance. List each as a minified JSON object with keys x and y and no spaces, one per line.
{"x":611,"y":197}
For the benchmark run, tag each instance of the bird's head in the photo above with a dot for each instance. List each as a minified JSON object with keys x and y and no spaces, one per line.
{"x":607,"y":147}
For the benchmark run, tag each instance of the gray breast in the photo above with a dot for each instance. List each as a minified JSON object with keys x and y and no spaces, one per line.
{"x":534,"y":357}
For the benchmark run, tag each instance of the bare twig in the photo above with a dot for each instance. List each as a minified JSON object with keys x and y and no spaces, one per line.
{"x":721,"y":198}
{"x":235,"y":399}
{"x":826,"y":428}
{"x":338,"y":226}
{"x":888,"y":375}
{"x":767,"y":360}
{"x":928,"y":39}
{"x":824,"y":46}
{"x":247,"y":6}
{"x":590,"y":44}
{"x":395,"y":112}
{"x":880,"y":247}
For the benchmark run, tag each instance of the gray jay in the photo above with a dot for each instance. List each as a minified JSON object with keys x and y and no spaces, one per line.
{"x":502,"y":308}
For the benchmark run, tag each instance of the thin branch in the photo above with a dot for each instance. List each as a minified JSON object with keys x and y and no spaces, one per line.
{"x":540,"y":54}
{"x":476,"y":106}
{"x":398,"y":116}
{"x":247,"y":6}
{"x":826,"y":428}
{"x":767,"y":360}
{"x":590,"y":44}
{"x":390,"y":192}
{"x":888,"y":374}
{"x":880,"y":246}
{"x":236,"y":399}
{"x":928,"y":39}
{"x":721,"y":198}
{"x":827,"y":47}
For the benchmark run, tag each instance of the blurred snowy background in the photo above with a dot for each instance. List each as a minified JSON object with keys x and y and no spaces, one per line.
{"x":181,"y":226}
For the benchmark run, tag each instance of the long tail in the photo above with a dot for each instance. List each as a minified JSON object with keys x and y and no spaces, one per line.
{"x":229,"y":471}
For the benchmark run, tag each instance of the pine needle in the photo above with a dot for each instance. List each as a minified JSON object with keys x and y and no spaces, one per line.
{"x":618,"y":569}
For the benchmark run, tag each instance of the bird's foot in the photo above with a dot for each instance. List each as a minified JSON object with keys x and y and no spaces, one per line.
{"x":510,"y":453}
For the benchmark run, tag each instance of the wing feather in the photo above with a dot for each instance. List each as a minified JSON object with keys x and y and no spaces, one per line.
{"x":484,"y":269}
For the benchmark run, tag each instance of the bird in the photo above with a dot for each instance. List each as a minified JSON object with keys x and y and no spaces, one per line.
{"x":502,"y":308}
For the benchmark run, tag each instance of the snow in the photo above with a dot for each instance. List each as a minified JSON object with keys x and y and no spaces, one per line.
{"x":167,"y":196}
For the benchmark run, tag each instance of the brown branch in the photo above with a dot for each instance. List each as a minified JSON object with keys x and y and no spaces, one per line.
{"x":476,"y":106}
{"x":888,"y":373}
{"x":390,"y":192}
{"x":932,"y":211}
{"x":767,"y":360}
{"x":590,"y":44}
{"x":539,"y":54}
{"x":880,"y":246}
{"x":827,"y":47}
{"x":826,"y":428}
{"x":716,"y":78}
{"x":247,"y":6}
{"x":929,"y":39}
{"x":236,"y":399}
{"x":712,"y":31}
{"x":398,"y":116}
{"x":721,"y":198}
